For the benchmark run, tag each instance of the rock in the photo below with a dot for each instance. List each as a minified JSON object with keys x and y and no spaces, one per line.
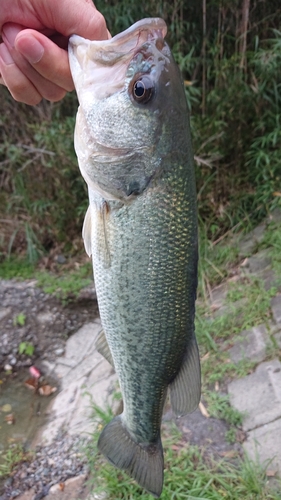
{"x":59,"y":352}
{"x":60,"y":259}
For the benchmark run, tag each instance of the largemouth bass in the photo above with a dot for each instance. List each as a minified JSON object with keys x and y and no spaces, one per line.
{"x":132,"y":140}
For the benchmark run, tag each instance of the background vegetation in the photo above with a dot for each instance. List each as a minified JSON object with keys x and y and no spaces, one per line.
{"x":229,"y":52}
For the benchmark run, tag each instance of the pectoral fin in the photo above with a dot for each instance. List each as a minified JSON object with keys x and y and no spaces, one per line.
{"x":87,"y":232}
{"x":185,"y":390}
{"x":103,"y":347}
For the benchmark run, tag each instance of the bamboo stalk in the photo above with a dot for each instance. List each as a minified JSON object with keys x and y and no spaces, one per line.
{"x":204,"y":60}
{"x":244,"y":29}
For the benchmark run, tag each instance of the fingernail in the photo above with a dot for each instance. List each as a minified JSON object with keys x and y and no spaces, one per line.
{"x":30,"y":48}
{"x":9,"y":32}
{"x":5,"y":55}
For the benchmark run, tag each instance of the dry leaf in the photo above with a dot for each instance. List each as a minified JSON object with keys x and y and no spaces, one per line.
{"x":175,"y":447}
{"x":61,"y":486}
{"x":10,"y":419}
{"x":228,"y":454}
{"x":203,"y":410}
{"x":46,"y":390}
{"x":206,"y":356}
{"x":245,"y":262}
{"x":31,"y":383}
{"x":6,"y":408}
{"x":240,"y":436}
{"x":271,"y":473}
{"x":215,"y":307}
{"x":277,"y":193}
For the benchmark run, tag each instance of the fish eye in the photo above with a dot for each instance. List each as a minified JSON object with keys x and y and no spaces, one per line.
{"x":142,"y":89}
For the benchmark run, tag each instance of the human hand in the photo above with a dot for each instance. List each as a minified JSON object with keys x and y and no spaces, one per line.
{"x":33,"y":53}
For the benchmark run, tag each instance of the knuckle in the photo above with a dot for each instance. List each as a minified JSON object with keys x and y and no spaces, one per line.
{"x":55,"y":95}
{"x":22,"y":94}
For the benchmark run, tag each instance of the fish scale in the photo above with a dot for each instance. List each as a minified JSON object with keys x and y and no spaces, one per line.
{"x":134,"y":151}
{"x":134,"y":325}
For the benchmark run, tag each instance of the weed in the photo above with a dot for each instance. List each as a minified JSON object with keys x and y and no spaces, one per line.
{"x":12,"y":457}
{"x":16,"y":268}
{"x":219,"y":407}
{"x":26,"y":348}
{"x":20,"y":319}
{"x":230,"y":435}
{"x":66,"y":286}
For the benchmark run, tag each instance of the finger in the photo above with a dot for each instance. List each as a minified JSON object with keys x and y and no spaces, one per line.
{"x":82,"y":18}
{"x":19,"y":86}
{"x":47,"y":58}
{"x":45,"y":88}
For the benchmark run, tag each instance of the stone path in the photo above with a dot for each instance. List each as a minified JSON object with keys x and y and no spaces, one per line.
{"x":258,"y":395}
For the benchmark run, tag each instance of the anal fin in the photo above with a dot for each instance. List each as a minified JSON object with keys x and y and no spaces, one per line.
{"x":185,"y":390}
{"x":143,"y":462}
{"x":103,"y":347}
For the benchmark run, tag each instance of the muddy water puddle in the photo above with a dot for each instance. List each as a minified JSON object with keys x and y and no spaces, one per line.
{"x":22,"y":409}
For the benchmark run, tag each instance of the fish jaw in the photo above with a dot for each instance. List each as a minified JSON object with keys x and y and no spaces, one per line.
{"x":93,"y":63}
{"x":121,"y":159}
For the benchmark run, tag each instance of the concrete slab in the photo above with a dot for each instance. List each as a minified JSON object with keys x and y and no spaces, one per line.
{"x":85,"y":378}
{"x":264,"y":443}
{"x":258,"y":395}
{"x":251,"y":345}
{"x":276,"y":308}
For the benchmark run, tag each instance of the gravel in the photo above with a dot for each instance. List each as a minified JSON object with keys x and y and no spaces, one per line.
{"x":50,"y":465}
{"x":46,"y":322}
{"x":47,"y":325}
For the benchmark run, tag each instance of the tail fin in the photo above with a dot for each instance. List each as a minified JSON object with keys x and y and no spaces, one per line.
{"x":143,"y":462}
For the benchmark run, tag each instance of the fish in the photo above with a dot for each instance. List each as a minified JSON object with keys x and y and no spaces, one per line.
{"x":133,"y":144}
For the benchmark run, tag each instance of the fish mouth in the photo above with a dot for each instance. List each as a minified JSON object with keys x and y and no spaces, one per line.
{"x":92,"y":63}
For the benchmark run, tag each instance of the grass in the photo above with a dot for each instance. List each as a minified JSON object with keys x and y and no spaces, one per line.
{"x":65,"y":284}
{"x":190,"y":473}
{"x":12,"y":457}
